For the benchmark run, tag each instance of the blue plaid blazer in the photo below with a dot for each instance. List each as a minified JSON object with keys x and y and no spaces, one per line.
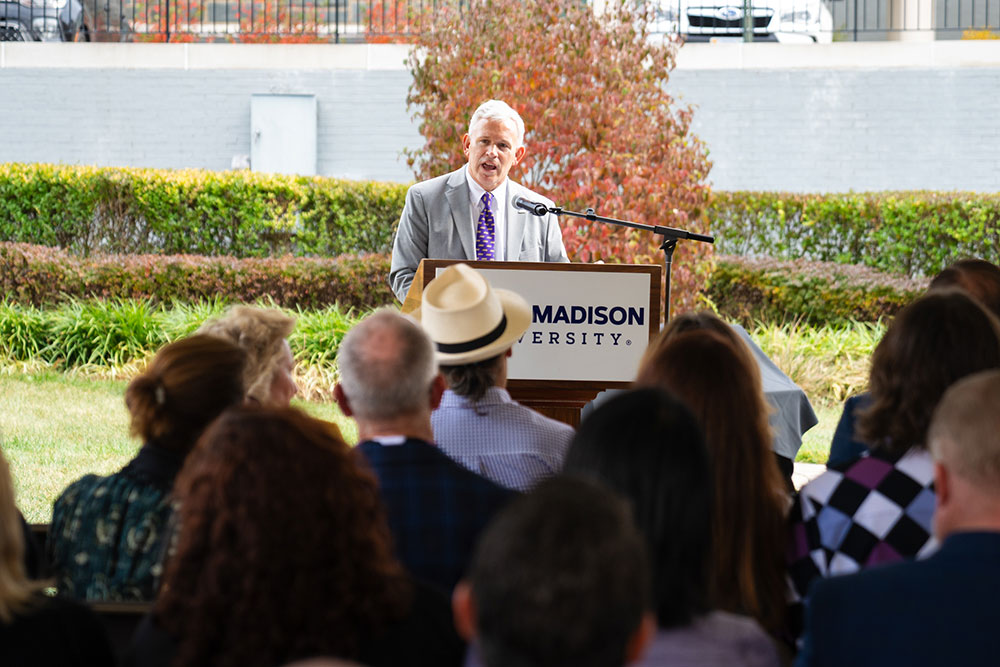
{"x":436,"y":508}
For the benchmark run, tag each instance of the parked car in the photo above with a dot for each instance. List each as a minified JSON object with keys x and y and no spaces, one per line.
{"x":790,"y":21}
{"x":40,"y":20}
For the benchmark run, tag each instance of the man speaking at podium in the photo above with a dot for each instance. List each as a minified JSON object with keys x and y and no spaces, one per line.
{"x":472,"y":213}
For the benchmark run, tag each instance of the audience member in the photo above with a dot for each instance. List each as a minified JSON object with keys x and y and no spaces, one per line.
{"x":107,"y":533}
{"x":878,"y":508}
{"x":977,"y":278}
{"x":560,"y":579}
{"x":263,"y":334}
{"x":648,"y":447}
{"x":34,"y":558}
{"x":284,"y":554}
{"x":710,"y":322}
{"x":36,"y":629}
{"x":478,"y":424}
{"x":720,"y":384}
{"x":943,"y":610}
{"x":389,"y":384}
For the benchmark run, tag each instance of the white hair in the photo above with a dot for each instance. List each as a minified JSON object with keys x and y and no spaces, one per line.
{"x":499,"y":110}
{"x":386,"y":364}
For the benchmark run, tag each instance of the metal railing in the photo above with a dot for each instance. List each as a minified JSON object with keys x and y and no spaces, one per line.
{"x":399,"y":20}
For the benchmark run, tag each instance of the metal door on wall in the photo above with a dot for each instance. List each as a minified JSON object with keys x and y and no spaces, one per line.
{"x":283,"y":134}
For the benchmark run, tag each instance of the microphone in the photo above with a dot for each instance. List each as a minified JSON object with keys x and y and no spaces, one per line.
{"x":533,"y":207}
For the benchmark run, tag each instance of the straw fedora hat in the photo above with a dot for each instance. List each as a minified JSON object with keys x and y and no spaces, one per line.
{"x":467,"y":319}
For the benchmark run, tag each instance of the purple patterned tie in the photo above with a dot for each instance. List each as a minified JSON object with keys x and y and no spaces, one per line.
{"x":485,"y":231}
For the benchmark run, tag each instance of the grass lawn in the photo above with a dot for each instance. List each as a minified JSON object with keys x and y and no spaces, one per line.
{"x":816,"y":441}
{"x":55,"y":428}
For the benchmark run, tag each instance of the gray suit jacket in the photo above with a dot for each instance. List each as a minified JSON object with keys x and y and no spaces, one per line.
{"x":437,"y":223}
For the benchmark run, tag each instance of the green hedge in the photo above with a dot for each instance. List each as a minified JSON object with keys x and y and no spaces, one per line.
{"x":89,"y":210}
{"x":768,"y":290}
{"x":102,"y":210}
{"x":911,"y":233}
{"x":38,"y":275}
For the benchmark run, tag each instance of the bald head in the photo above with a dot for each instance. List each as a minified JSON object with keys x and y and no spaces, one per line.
{"x":965,"y":432}
{"x":386,"y":364}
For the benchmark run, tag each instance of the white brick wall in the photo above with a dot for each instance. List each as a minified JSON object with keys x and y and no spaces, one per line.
{"x":817,"y":118}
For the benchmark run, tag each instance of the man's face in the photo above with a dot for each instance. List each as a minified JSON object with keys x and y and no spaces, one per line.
{"x":492,"y":148}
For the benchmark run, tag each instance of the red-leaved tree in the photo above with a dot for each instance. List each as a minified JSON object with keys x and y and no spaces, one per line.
{"x":602,"y":129}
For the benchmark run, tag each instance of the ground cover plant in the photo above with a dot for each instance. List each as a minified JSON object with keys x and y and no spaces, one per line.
{"x":114,"y":338}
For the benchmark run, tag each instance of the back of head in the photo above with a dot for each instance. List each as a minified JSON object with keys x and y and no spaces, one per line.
{"x":965,"y":431}
{"x":701,"y":321}
{"x":720,"y":384}
{"x":261,"y":333}
{"x":282,"y":533}
{"x":474,"y":379}
{"x":186,"y":385}
{"x":930,"y":344}
{"x":976,"y":277}
{"x":560,"y":578}
{"x":386,"y":365}
{"x":15,"y":588}
{"x":647,"y":446}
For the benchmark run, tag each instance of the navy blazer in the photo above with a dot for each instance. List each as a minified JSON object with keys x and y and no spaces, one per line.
{"x":845,"y":446}
{"x":944,"y":610}
{"x":436,"y":508}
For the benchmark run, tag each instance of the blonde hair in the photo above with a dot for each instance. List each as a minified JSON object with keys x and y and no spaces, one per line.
{"x":261,"y":333}
{"x":965,"y":431}
{"x":15,"y":587}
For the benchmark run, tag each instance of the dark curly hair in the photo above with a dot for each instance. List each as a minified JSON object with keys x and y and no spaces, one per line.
{"x":932,"y":343}
{"x":282,"y":536}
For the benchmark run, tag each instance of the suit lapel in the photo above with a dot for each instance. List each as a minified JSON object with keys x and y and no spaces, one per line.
{"x":515,"y":224}
{"x":461,"y":214}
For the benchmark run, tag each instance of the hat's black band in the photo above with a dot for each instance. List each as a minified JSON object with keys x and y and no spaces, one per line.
{"x":475,"y":344}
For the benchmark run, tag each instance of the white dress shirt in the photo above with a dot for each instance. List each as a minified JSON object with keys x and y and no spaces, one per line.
{"x":499,"y":209}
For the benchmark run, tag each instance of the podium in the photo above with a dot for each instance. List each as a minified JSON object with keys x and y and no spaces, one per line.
{"x":591,"y":324}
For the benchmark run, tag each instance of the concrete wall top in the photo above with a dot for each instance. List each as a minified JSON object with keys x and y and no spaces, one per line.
{"x":372,"y":57}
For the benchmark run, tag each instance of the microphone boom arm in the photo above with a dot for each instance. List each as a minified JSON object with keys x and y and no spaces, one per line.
{"x":671,"y":236}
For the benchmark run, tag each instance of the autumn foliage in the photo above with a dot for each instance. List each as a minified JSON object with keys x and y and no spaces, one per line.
{"x":602,"y":129}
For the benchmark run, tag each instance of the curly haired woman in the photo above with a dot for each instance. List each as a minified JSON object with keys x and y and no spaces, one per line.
{"x":284,"y":554}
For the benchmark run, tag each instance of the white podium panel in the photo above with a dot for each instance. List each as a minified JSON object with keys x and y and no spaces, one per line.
{"x":598,"y":335}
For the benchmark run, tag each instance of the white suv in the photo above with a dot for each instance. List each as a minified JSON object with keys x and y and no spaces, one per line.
{"x":790,"y":21}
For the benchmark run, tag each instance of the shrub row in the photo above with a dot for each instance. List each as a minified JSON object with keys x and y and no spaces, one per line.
{"x":911,"y":233}
{"x":768,"y":290}
{"x":109,"y":210}
{"x":89,"y":209}
{"x":39,"y":275}
{"x":744,"y":289}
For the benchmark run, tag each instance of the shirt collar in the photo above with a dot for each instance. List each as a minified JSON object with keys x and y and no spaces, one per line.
{"x":493,"y":396}
{"x":390,"y":440}
{"x":476,"y":193}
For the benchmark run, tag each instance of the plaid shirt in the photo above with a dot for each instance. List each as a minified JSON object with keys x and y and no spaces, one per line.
{"x":870,"y":511}
{"x":501,"y":439}
{"x":436,"y":508}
